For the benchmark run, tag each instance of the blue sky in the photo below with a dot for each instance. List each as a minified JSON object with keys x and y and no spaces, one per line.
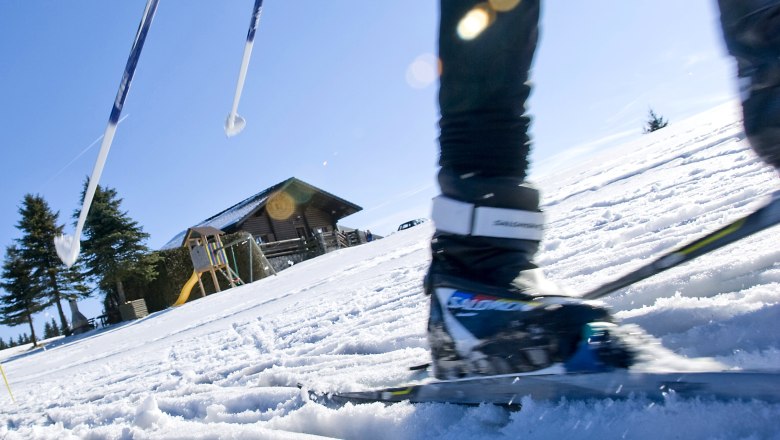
{"x":327,"y":99}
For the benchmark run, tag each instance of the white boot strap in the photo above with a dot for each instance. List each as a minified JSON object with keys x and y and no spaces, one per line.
{"x":456,"y":217}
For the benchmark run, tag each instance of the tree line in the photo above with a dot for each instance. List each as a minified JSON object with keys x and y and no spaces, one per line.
{"x":33,"y":277}
{"x":50,"y":330}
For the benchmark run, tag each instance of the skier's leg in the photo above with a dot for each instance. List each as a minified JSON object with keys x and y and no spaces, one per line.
{"x":484,"y":132}
{"x":751,"y":29}
{"x":483,"y":90}
{"x":486,"y":313}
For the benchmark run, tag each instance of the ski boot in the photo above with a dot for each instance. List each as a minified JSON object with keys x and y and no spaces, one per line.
{"x":491,"y":310}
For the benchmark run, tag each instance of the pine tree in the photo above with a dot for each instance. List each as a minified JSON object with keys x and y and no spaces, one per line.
{"x":3,"y":345}
{"x":654,"y":122}
{"x":114,"y":249}
{"x":56,"y":331}
{"x":39,"y":227}
{"x":51,"y":330}
{"x":24,"y":297}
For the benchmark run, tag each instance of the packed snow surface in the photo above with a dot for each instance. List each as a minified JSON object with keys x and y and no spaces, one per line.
{"x":227,"y":366}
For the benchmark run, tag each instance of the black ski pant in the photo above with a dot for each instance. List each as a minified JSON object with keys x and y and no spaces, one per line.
{"x":485,"y":82}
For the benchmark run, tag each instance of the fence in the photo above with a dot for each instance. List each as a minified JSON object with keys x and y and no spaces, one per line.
{"x":281,"y":254}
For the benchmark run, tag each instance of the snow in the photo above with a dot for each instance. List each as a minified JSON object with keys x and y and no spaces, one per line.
{"x":227,"y":366}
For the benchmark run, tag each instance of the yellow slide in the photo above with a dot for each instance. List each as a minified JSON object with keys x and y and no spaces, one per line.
{"x":185,"y":291}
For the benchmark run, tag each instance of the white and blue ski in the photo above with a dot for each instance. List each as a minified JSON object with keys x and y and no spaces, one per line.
{"x":509,"y":390}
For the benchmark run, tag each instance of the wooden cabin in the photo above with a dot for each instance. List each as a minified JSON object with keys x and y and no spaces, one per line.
{"x":289,"y":210}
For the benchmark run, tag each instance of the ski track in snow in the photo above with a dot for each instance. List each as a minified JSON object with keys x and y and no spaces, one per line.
{"x":227,"y":366}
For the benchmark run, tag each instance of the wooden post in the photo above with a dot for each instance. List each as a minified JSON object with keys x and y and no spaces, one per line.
{"x":305,"y":219}
{"x":271,"y":225}
{"x":224,"y":259}
{"x":202,"y":289}
{"x":214,"y":279}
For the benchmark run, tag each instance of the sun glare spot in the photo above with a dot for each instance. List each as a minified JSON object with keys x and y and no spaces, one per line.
{"x":475,"y":22}
{"x":423,"y":71}
{"x":503,"y":5}
{"x":280,"y":206}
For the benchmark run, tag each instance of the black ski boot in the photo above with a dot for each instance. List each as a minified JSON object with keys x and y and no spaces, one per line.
{"x":492,"y":312}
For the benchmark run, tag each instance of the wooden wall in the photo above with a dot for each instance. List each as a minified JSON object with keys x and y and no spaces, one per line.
{"x":262,"y":225}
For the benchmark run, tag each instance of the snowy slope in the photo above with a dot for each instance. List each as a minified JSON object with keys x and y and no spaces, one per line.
{"x":226,"y":366}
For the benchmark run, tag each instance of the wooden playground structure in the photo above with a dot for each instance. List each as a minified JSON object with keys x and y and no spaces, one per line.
{"x":208,"y":254}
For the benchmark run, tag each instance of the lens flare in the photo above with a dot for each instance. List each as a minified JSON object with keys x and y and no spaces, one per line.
{"x":423,"y":71}
{"x":503,"y":5}
{"x":280,"y":206}
{"x":475,"y":22}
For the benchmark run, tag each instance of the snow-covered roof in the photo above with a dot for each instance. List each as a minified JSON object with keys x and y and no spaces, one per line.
{"x":231,"y":217}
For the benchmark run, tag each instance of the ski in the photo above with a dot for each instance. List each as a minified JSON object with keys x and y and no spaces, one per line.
{"x":68,"y":246}
{"x":762,"y":218}
{"x":509,"y":390}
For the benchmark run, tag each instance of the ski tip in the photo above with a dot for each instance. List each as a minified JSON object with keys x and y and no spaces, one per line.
{"x":234,"y":125}
{"x":67,"y":249}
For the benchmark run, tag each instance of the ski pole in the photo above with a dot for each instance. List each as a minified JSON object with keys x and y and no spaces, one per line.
{"x":235,"y":123}
{"x":762,"y":218}
{"x":6,"y":384}
{"x":68,"y":247}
